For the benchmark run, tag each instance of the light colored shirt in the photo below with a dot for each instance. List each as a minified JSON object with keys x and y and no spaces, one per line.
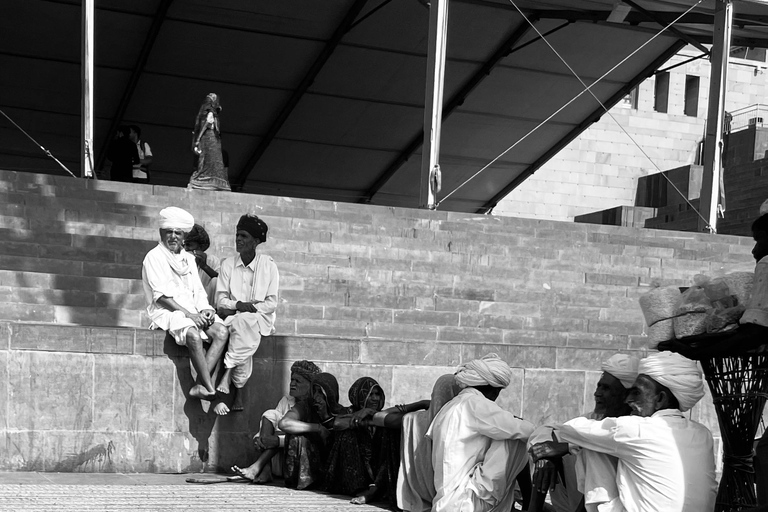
{"x":757,"y":305}
{"x":140,"y":170}
{"x":183,"y":285}
{"x":257,"y":281}
{"x":665,"y":462}
{"x":462,"y":434}
{"x":209,"y":283}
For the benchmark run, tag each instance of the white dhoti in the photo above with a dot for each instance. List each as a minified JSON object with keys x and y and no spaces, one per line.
{"x":244,"y":340}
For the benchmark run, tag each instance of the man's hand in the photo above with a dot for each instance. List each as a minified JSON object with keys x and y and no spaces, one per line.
{"x":266,"y":442}
{"x":544,"y":475}
{"x":548,"y":450}
{"x":210,"y":317}
{"x":200,"y":321}
{"x":200,"y":258}
{"x":246,"y":307}
{"x":363,"y":413}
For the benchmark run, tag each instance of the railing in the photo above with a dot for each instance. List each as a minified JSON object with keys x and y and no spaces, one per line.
{"x":754,"y":115}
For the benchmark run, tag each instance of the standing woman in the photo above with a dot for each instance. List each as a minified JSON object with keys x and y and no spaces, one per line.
{"x":209,"y":171}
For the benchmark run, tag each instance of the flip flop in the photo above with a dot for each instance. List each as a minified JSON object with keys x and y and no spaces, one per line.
{"x":216,"y":479}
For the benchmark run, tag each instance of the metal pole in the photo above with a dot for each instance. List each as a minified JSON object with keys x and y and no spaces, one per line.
{"x":713,"y":142}
{"x":86,"y":102}
{"x":433,"y":99}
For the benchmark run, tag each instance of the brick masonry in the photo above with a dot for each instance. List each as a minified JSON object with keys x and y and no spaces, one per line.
{"x":401,"y":295}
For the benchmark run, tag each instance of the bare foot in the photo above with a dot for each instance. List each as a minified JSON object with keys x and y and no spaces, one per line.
{"x":265,"y":476}
{"x":247,"y":473}
{"x":201,"y":392}
{"x":221,"y":409}
{"x":223,"y":386}
{"x":365,"y":497}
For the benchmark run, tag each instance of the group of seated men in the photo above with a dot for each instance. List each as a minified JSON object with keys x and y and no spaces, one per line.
{"x":245,"y":297}
{"x":458,"y":451}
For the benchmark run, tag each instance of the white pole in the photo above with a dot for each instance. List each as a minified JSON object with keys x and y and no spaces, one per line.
{"x":713,"y":143}
{"x":433,"y":99}
{"x":86,"y":102}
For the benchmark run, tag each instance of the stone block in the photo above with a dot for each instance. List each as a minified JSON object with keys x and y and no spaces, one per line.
{"x":612,"y":279}
{"x":315,"y":298}
{"x":348,"y":329}
{"x":596,"y":340}
{"x":555,"y":324}
{"x":591,"y":379}
{"x":91,"y":284}
{"x":412,"y":383}
{"x":50,"y":391}
{"x":458,"y":305}
{"x":553,"y":396}
{"x":133,"y":394}
{"x":289,"y":310}
{"x":96,"y":316}
{"x":27,"y":312}
{"x":22,"y":451}
{"x":402,"y":331}
{"x":422,"y":353}
{"x":440,"y":318}
{"x":544,"y":338}
{"x":516,"y":356}
{"x":356,"y":314}
{"x":54,"y":266}
{"x":89,"y":452}
{"x":585,"y":359}
{"x":510,"y":309}
{"x":620,"y":328}
{"x":469,"y":334}
{"x":54,"y":338}
{"x":317,"y":349}
{"x":111,"y":270}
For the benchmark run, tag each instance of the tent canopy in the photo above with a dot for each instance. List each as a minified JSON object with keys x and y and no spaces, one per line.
{"x":326,"y":99}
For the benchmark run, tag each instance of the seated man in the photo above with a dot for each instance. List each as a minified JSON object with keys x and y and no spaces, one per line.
{"x":269,"y":439}
{"x":197,"y":242}
{"x":619,"y":374}
{"x":246,"y":295}
{"x":665,"y":461}
{"x":177,"y":302}
{"x":477,"y":447}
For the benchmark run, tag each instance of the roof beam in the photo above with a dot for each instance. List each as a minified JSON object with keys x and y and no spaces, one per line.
{"x":458,"y":99}
{"x":138,"y":69}
{"x":298,"y":93}
{"x":593,"y":117}
{"x":667,"y":26}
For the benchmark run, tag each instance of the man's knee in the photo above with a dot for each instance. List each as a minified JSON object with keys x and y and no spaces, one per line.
{"x":193,"y":338}
{"x":218,"y":332}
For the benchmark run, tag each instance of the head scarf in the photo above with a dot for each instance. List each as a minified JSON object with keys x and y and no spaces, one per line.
{"x":255,"y":227}
{"x":305,"y":368}
{"x":445,"y":389}
{"x":200,"y":235}
{"x":330,"y":387}
{"x":623,"y":367}
{"x":677,"y":373}
{"x":361,"y":389}
{"x":176,"y":218}
{"x":764,"y":207}
{"x":489,"y":370}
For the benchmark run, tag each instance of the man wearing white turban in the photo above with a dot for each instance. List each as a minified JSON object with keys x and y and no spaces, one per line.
{"x":665,"y":461}
{"x":478,"y":448}
{"x":177,"y":301}
{"x":619,"y":374}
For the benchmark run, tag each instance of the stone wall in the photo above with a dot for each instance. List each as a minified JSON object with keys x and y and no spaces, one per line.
{"x":400,"y":295}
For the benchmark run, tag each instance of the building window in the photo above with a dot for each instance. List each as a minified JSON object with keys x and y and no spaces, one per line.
{"x":661,"y":92}
{"x":691,"y":95}
{"x":630,"y":100}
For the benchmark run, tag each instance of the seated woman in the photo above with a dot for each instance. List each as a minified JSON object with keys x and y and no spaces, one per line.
{"x":269,"y":440}
{"x":308,"y":436}
{"x":364,"y":458}
{"x":416,"y":478}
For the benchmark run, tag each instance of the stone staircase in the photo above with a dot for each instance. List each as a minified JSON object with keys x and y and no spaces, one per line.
{"x":401,"y":295}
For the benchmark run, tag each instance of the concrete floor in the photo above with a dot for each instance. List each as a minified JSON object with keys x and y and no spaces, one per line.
{"x":40,"y":492}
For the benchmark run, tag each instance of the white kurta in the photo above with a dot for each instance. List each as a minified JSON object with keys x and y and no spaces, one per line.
{"x":274,"y":416}
{"x":478,"y":449}
{"x":257,"y":281}
{"x":159,"y":279}
{"x":665,"y":462}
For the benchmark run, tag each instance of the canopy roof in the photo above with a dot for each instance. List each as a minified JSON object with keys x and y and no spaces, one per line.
{"x":324,"y":99}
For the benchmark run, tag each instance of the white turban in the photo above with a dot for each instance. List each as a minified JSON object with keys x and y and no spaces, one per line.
{"x":623,"y":367}
{"x":176,"y":218}
{"x":488,"y":371}
{"x":678,"y":373}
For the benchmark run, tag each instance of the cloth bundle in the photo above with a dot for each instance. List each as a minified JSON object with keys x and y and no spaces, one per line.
{"x":659,"y":309}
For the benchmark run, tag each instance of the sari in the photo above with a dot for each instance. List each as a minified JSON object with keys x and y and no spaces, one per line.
{"x":306,"y":454}
{"x":365,"y":456}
